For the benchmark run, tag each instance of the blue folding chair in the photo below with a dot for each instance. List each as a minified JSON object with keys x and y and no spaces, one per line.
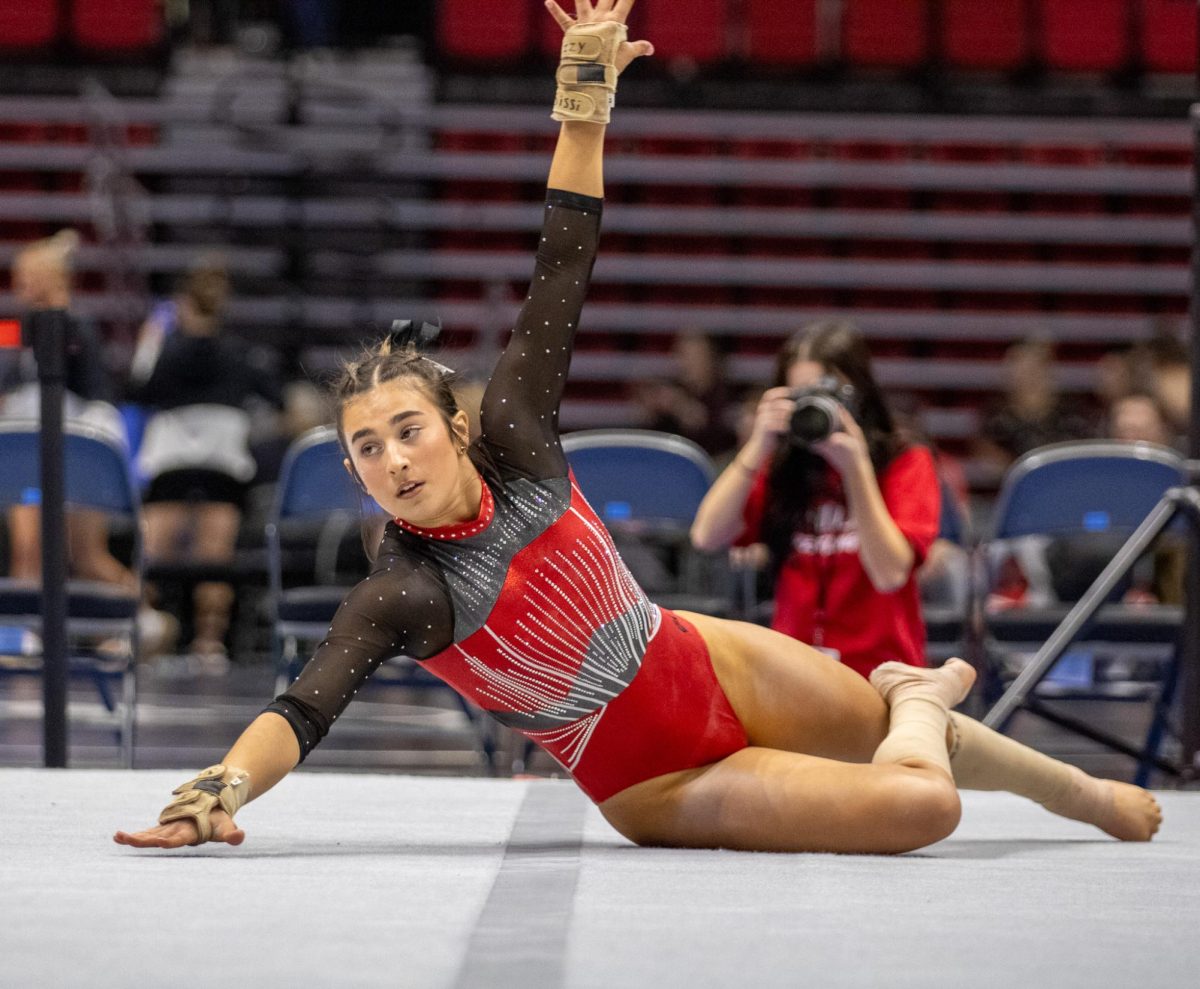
{"x":98,"y":477}
{"x":647,"y":487}
{"x":318,"y":504}
{"x":1104,"y":491}
{"x":947,"y":615}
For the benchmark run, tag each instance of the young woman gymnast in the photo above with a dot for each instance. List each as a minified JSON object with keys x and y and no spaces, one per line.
{"x":497,"y":575}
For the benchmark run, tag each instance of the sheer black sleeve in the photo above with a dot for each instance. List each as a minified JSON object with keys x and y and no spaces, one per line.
{"x":401,"y":609}
{"x":519,"y":415}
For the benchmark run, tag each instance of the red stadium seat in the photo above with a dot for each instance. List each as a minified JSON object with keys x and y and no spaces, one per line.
{"x":690,"y":29}
{"x":991,"y":35}
{"x":781,"y":32}
{"x":1169,"y":29}
{"x":28,"y":23}
{"x":117,"y":25}
{"x":885,"y":33}
{"x":505,"y":33}
{"x":1086,"y":35}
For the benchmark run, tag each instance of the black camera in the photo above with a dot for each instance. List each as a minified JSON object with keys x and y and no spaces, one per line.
{"x":817,"y":416}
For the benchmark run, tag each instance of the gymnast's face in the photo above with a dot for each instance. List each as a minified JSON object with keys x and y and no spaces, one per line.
{"x":412,"y":462}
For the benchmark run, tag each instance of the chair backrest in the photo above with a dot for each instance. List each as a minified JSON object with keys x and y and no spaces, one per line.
{"x":1085,"y":35}
{"x":640,"y":475}
{"x":952,"y":521}
{"x":98,"y":473}
{"x":28,"y":23}
{"x":313,"y":481}
{"x":993,"y":35}
{"x":117,"y":26}
{"x":885,"y":33}
{"x":1168,"y":35}
{"x":1097,"y":486}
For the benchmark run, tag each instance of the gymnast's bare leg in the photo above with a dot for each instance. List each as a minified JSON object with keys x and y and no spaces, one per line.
{"x":808,"y":783}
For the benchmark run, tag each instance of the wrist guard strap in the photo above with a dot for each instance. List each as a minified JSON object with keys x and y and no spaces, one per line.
{"x":195,"y":800}
{"x":587,"y":74}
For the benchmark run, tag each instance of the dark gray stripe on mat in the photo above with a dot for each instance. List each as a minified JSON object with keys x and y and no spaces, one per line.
{"x":521,"y":936}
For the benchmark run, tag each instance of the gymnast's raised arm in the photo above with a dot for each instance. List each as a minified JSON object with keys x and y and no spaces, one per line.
{"x":519,"y":414}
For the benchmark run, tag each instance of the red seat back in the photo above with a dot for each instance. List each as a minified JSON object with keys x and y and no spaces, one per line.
{"x":28,"y":23}
{"x":692,"y":29}
{"x":989,"y":35}
{"x":1168,"y":29}
{"x":1086,"y":35}
{"x":885,"y":33}
{"x":116,"y":25}
{"x":781,"y":32}
{"x":485,"y":32}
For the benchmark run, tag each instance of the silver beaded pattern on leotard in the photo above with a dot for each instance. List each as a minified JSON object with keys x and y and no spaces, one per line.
{"x":563,"y":659}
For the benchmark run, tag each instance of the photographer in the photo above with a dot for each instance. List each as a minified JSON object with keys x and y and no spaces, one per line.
{"x":846,"y":507}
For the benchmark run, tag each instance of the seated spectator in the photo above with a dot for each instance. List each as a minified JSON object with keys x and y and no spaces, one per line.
{"x":1138,"y":418}
{"x":695,"y":401}
{"x":195,"y":451}
{"x":1032,"y":413}
{"x":42,"y":280}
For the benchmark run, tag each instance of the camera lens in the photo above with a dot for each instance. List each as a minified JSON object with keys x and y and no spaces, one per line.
{"x":815,"y":419}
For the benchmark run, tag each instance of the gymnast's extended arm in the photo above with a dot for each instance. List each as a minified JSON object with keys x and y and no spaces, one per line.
{"x":519,"y":413}
{"x":398,"y":610}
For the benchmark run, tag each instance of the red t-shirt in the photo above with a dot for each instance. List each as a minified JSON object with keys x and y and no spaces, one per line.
{"x":823,"y":595}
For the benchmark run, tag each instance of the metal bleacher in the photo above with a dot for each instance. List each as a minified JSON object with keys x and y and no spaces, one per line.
{"x":343,"y":196}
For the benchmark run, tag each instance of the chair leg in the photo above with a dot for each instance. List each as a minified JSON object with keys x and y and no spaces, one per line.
{"x":129,"y":713}
{"x":483,"y":734}
{"x":1158,"y":725}
{"x":284,"y":668}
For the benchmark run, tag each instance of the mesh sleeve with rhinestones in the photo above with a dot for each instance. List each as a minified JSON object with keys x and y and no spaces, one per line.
{"x":401,"y":609}
{"x":519,"y":415}
{"x":404,"y":607}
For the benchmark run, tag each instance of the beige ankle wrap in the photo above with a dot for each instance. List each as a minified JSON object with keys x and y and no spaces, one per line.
{"x":587,"y":73}
{"x":195,"y":800}
{"x":982,"y":759}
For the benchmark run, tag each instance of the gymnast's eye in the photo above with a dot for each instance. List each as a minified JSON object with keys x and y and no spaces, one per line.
{"x":368,"y":449}
{"x":410,"y":432}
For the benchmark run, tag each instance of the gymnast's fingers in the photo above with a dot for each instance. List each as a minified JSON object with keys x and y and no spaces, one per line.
{"x":173,"y":835}
{"x":225,"y":830}
{"x":561,"y":16}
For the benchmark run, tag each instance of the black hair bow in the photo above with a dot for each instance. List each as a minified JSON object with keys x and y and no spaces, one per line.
{"x":416,"y":333}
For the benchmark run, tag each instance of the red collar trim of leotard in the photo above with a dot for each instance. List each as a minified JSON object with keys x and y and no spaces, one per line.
{"x":459,"y":530}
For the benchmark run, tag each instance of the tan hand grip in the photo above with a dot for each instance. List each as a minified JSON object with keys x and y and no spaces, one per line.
{"x":195,"y":800}
{"x":587,"y":74}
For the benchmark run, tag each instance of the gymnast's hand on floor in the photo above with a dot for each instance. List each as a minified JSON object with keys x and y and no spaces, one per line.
{"x":177,"y":834}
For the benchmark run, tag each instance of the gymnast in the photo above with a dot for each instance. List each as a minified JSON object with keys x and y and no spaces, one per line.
{"x":499,"y":578}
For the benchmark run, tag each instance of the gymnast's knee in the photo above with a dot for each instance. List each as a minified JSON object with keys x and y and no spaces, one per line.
{"x":925,"y":809}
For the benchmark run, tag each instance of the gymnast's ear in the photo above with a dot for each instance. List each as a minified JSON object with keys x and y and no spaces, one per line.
{"x":354,"y":474}
{"x":460,"y":430}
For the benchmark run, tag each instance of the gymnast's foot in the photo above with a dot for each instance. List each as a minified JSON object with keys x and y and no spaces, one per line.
{"x":947,"y":685}
{"x":1122,"y":810}
{"x":1135,"y":815}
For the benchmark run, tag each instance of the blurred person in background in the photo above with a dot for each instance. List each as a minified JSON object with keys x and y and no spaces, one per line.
{"x":1157,"y":579}
{"x":847,"y":519}
{"x":1139,"y":418}
{"x":1032,"y":412}
{"x":695,"y":402}
{"x":42,"y":275}
{"x":199,"y":384}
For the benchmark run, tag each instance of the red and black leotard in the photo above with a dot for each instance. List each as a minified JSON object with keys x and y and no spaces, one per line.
{"x":527,"y":610}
